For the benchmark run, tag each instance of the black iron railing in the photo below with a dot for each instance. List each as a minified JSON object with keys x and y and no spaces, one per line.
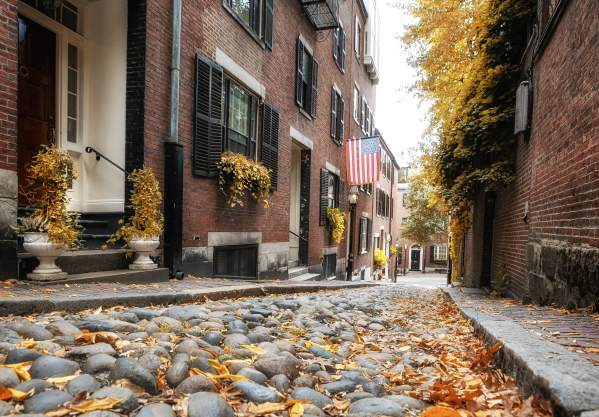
{"x":296,"y":235}
{"x":324,"y":14}
{"x":100,"y":155}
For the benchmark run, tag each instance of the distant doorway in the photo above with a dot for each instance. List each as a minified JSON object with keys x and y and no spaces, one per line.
{"x":415,"y":258}
{"x":36,"y":104}
{"x":488,"y":239}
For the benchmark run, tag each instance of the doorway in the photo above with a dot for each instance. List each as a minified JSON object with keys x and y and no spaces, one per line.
{"x":36,"y":104}
{"x":294,"y":205}
{"x":415,"y":258}
{"x":485,"y":280}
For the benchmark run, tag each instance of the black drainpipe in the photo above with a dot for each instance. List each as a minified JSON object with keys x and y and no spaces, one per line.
{"x":173,"y":162}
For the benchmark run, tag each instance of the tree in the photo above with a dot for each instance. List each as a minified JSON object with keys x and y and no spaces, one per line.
{"x":427,"y":213}
{"x":468,"y":54}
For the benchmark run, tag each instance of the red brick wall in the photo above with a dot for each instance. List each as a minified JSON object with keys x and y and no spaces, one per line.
{"x":8,"y":84}
{"x":206,"y":26}
{"x":558,"y":169}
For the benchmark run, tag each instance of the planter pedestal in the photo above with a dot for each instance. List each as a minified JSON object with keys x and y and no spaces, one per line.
{"x":46,"y":252}
{"x":143,"y":249}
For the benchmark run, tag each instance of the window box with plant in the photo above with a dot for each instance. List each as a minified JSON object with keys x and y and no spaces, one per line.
{"x":336,"y":224}
{"x":142,"y":231}
{"x":240,"y":177}
{"x":51,"y":228}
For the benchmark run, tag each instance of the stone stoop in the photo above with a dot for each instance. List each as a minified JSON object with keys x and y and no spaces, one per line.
{"x":305,"y":277}
{"x":121,"y":276}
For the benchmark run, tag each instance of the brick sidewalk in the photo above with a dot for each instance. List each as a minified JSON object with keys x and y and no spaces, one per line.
{"x":24,"y":298}
{"x":577,"y":331}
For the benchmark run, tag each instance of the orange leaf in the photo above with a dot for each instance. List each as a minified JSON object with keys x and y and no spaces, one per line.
{"x":95,"y":404}
{"x":439,"y":411}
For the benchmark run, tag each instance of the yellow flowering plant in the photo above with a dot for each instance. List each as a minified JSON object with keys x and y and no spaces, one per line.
{"x":239,"y":176}
{"x":146,"y":201}
{"x":49,"y":178}
{"x":379,"y":258}
{"x":336,"y":220}
{"x":394,"y":250}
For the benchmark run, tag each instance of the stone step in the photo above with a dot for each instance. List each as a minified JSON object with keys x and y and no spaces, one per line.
{"x":80,"y":261}
{"x":306,"y":277}
{"x":123,"y":276}
{"x":297,"y":271}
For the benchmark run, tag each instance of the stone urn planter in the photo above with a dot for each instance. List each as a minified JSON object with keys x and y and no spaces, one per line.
{"x":143,"y":249}
{"x":38,"y":244}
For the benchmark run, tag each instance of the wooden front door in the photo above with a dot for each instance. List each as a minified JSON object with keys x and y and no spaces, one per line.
{"x":36,"y":108}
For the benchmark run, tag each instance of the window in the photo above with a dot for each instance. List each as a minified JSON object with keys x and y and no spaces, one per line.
{"x":367,"y":121}
{"x":333,"y":191}
{"x":403,"y":174}
{"x":337,"y":116}
{"x":383,"y":203}
{"x":364,"y":234}
{"x":404,"y":220}
{"x":357,"y":36}
{"x":72,"y":93}
{"x":357,"y":104}
{"x":440,"y":253}
{"x":363,"y":114}
{"x":240,"y":120}
{"x":404,"y":202}
{"x":65,"y":13}
{"x":339,"y":48}
{"x":306,"y":80}
{"x":256,"y":16}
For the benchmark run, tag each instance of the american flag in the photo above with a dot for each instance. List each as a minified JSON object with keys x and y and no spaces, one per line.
{"x":363,"y":160}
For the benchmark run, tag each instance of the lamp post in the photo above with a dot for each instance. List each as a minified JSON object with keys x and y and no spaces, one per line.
{"x":405,"y":258}
{"x":353,"y":200}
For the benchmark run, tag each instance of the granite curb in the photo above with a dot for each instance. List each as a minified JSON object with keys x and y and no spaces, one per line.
{"x":152,"y":297}
{"x":569,"y":381}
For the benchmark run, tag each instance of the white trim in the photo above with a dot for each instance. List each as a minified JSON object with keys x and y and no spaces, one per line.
{"x":306,"y":44}
{"x":365,"y":214}
{"x":332,"y":168}
{"x":301,"y":138}
{"x":105,"y":206}
{"x":337,"y":89}
{"x":240,"y":73}
{"x":421,"y":256}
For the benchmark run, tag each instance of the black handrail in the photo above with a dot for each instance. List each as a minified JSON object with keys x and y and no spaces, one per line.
{"x":99,"y":155}
{"x":296,"y":235}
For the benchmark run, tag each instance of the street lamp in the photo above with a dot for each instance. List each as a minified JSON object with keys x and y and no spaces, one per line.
{"x":353,"y":200}
{"x":405,"y":258}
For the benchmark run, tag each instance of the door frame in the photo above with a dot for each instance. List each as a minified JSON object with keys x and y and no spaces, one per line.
{"x":416,"y":246}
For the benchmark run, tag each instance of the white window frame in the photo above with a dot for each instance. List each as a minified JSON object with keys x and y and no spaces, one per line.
{"x":357,"y":36}
{"x":440,"y":253}
{"x":356,"y":104}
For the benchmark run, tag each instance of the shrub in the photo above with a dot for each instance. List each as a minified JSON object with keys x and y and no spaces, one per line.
{"x":336,"y":220}
{"x":239,"y":176}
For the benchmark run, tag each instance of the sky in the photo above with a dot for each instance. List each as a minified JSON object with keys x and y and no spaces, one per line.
{"x":399,"y":115}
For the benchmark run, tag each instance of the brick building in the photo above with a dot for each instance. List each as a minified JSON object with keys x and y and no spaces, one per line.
{"x":538,"y":238}
{"x":282,"y":82}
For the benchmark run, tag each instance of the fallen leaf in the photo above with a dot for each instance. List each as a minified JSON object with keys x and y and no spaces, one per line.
{"x":297,"y":410}
{"x":95,"y":404}
{"x":21,"y":369}
{"x":266,"y":408}
{"x":61,"y":379}
{"x":439,"y":411}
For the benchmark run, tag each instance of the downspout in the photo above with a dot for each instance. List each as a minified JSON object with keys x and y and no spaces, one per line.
{"x":173,"y":161}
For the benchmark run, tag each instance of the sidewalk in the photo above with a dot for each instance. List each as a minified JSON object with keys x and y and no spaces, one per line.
{"x":24,"y":298}
{"x":549,"y":350}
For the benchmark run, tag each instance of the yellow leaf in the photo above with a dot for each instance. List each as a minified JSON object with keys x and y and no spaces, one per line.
{"x":20,"y":395}
{"x":61,"y":412}
{"x":405,"y":348}
{"x":266,"y":408}
{"x":21,"y":369}
{"x":61,"y":379}
{"x":27,"y":344}
{"x":297,"y":410}
{"x":342,"y":404}
{"x":95,"y":404}
{"x":253,"y":348}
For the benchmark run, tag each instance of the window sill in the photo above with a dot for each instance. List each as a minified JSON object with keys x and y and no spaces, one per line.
{"x":305,"y":114}
{"x":244,"y":25}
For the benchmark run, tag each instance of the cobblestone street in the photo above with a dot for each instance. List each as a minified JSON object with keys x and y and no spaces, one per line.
{"x":391,"y":350}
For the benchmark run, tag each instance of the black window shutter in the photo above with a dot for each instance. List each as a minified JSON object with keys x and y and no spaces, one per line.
{"x":270,"y":143}
{"x":340,"y":120}
{"x":268,"y":22}
{"x":324,"y":192}
{"x":314,"y":95}
{"x":333,"y":113}
{"x":368,"y":234}
{"x":207,"y":133}
{"x":299,"y":76}
{"x":432,"y":258}
{"x":341,"y":195}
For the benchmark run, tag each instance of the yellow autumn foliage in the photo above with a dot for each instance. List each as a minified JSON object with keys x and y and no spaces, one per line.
{"x":239,"y":176}
{"x":336,"y":220}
